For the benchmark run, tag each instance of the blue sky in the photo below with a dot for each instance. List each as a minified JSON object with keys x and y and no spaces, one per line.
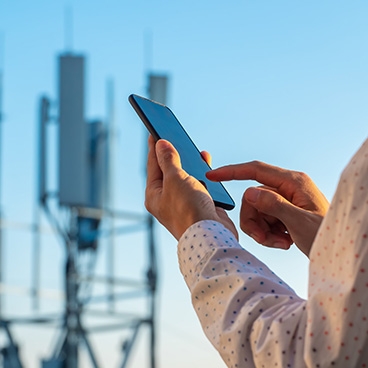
{"x":281,"y":81}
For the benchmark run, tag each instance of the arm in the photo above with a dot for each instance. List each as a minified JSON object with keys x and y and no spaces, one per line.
{"x":236,"y":296}
{"x":287,"y":208}
{"x":247,"y":312}
{"x":254,"y":320}
{"x":251,"y":317}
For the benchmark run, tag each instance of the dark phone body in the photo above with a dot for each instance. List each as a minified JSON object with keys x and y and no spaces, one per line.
{"x":162,"y":123}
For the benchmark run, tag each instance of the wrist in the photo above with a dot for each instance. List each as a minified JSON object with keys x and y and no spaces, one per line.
{"x":191,"y":219}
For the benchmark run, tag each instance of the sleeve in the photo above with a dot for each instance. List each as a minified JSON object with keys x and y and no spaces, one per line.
{"x":254,"y":319}
{"x":251,"y":317}
{"x":338,"y":275}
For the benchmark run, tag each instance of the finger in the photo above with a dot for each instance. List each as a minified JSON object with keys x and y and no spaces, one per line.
{"x":265,"y":216}
{"x":276,"y":234}
{"x":271,"y":203}
{"x":277,"y":240}
{"x":258,"y":225}
{"x":206,"y":157}
{"x":264,"y":230}
{"x":250,"y":222}
{"x":266,"y":174}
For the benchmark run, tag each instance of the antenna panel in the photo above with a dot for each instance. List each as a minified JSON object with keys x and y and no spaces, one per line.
{"x":73,"y":145}
{"x":97,"y":164}
{"x":158,"y":88}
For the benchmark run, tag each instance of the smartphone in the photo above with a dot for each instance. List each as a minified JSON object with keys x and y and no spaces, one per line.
{"x":162,"y":123}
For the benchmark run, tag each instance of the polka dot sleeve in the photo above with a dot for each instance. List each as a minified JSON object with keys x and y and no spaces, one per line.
{"x":255,"y":320}
{"x":249,"y":314}
{"x":338,"y":284}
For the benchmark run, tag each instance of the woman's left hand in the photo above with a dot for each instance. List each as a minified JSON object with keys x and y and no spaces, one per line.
{"x":175,"y":198}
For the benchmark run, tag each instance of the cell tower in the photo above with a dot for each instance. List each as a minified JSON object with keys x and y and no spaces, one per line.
{"x":80,"y":212}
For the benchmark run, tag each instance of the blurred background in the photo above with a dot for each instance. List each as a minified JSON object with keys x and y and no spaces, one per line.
{"x":279,"y":81}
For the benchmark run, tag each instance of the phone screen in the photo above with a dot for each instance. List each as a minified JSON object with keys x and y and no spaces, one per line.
{"x":162,"y":123}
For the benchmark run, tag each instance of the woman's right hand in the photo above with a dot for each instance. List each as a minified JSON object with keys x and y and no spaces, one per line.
{"x":287,"y":208}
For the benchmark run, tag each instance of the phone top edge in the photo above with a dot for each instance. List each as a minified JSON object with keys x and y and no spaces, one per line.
{"x":143,"y":116}
{"x":133,"y":96}
{"x":225,"y":206}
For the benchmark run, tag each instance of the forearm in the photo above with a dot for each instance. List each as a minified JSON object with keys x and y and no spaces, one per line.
{"x":252,"y":316}
{"x":243,"y":307}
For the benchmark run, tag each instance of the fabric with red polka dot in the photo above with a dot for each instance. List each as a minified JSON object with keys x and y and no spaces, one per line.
{"x":254,"y":319}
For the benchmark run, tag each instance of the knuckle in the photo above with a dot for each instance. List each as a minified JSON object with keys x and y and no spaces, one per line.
{"x":168,"y":155}
{"x":301,"y":177}
{"x":148,"y":201}
{"x":244,"y":226}
{"x":256,"y":163}
{"x":147,"y":204}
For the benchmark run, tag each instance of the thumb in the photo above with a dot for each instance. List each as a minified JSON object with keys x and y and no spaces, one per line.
{"x":273,"y":204}
{"x":301,"y":224}
{"x":167,"y":156}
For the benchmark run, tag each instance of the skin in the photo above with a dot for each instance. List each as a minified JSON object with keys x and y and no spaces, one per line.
{"x":287,"y":208}
{"x":175,"y":198}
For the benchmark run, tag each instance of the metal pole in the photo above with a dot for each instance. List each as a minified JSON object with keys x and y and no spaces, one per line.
{"x":152,"y":280}
{"x":41,"y":197}
{"x":36,"y":259}
{"x":88,"y":346}
{"x":13,"y":350}
{"x":72,"y":305}
{"x":109,"y":193}
{"x":128,"y":345}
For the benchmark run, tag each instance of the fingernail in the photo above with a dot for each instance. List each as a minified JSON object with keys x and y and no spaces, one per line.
{"x":280,"y":245}
{"x":252,"y":195}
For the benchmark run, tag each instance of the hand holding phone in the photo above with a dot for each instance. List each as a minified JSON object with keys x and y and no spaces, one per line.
{"x":162,"y":123}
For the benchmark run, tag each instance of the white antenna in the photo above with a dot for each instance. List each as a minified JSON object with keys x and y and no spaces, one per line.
{"x":68,"y":24}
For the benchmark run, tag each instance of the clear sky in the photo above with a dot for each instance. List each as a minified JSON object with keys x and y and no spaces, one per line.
{"x":281,"y":81}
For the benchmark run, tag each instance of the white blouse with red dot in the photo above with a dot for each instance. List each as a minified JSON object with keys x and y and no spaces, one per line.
{"x":254,"y":319}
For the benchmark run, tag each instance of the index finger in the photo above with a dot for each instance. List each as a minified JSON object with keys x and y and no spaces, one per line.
{"x":261,"y":172}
